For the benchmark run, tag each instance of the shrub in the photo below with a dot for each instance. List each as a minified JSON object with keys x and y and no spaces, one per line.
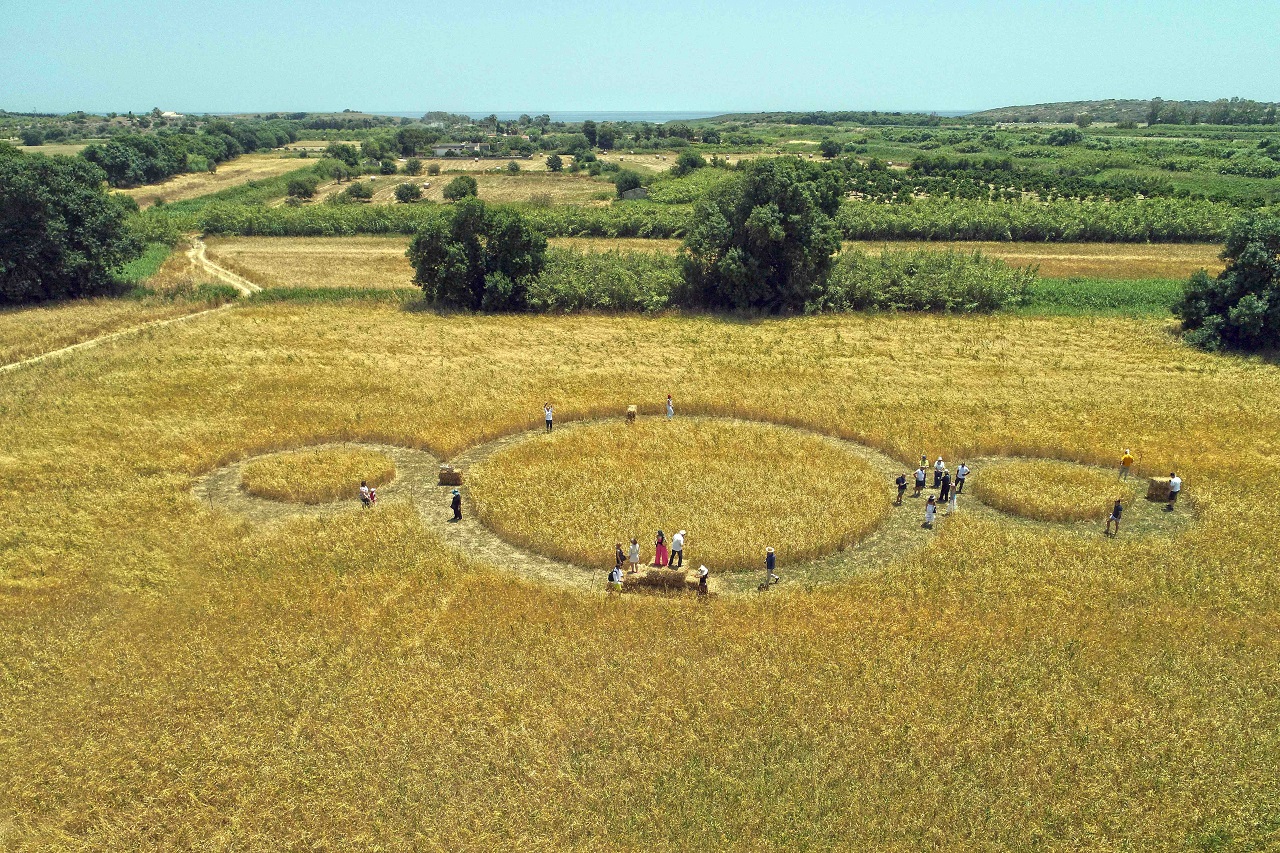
{"x":687,"y":162}
{"x":61,"y":234}
{"x":626,"y":181}
{"x":433,"y":168}
{"x":477,"y":257}
{"x":461,"y":187}
{"x":387,"y":167}
{"x":413,"y":166}
{"x":922,"y":280}
{"x":406,"y":193}
{"x":303,"y":186}
{"x":513,"y":167}
{"x":830,"y":148}
{"x":1240,"y":309}
{"x":555,"y":163}
{"x":359,"y":191}
{"x":1065,"y":136}
{"x":606,"y":281}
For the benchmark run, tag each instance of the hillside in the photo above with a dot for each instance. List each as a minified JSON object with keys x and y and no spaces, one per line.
{"x":1221,"y":111}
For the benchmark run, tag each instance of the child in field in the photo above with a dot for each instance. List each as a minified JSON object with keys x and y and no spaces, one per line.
{"x":930,"y":512}
{"x":373,"y":496}
{"x":1126,"y":464}
{"x":634,"y":556}
{"x":1114,"y":518}
{"x":901,"y":483}
{"x":660,"y":551}
{"x":770,"y":566}
{"x":364,"y":494}
{"x":549,"y":415}
{"x":920,"y":478}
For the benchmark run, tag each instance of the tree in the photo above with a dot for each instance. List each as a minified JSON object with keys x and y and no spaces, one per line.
{"x":406,"y":193}
{"x":304,"y":187}
{"x":433,"y":169}
{"x":710,"y":137}
{"x":589,"y":130}
{"x":61,"y":234}
{"x":1153,"y":111}
{"x":513,"y":167}
{"x":413,"y":166}
{"x":358,"y":191}
{"x":606,"y":136}
{"x":344,"y":152}
{"x":626,"y":180}
{"x":461,"y":187}
{"x":477,"y":258}
{"x":387,"y":167}
{"x":830,"y":148}
{"x":1064,"y":136}
{"x":554,"y":163}
{"x":1084,"y":120}
{"x":765,"y":240}
{"x":1240,"y":309}
{"x":32,"y":136}
{"x":686,"y":163}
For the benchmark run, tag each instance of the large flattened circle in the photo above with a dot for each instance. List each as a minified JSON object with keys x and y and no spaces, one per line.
{"x":737,"y":487}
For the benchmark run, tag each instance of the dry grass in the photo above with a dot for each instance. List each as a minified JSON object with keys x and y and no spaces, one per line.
{"x":1084,"y":260}
{"x":241,"y":170}
{"x":616,"y":244}
{"x":1051,"y":490}
{"x":28,"y":332}
{"x":176,"y":677}
{"x":316,"y":476}
{"x":524,"y":186}
{"x":56,"y":149}
{"x":737,"y":488}
{"x":360,"y":262}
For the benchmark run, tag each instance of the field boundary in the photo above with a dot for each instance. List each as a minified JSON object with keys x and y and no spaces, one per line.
{"x":199,"y":258}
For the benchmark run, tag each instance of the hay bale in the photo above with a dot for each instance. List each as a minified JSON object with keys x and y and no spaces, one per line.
{"x":658,"y":579}
{"x":450,"y":476}
{"x":1159,"y":489}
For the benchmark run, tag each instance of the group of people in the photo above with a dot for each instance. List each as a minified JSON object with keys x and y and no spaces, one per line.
{"x":949,"y":487}
{"x":631,"y":558}
{"x":368,"y":494}
{"x":549,"y":413}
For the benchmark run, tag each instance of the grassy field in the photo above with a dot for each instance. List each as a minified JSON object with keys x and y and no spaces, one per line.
{"x":1049,"y":490}
{"x":1087,"y":260}
{"x":544,"y":187}
{"x":175,"y":676}
{"x":316,"y":476}
{"x":241,"y":170}
{"x":316,"y":262}
{"x":58,"y":149}
{"x":28,"y":332}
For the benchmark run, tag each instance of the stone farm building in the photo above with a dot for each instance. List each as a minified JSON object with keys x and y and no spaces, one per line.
{"x":460,"y":149}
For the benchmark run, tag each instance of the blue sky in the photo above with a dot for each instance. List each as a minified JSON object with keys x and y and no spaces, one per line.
{"x":232,"y":55}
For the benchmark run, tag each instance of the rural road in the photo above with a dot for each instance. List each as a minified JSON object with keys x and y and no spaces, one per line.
{"x":201,"y":262}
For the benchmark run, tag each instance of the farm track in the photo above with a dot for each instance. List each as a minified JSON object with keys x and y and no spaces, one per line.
{"x":200,"y":261}
{"x":900,"y":534}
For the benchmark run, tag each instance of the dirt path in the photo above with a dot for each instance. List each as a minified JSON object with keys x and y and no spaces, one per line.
{"x":93,"y":342}
{"x":201,"y":261}
{"x":898,"y":535}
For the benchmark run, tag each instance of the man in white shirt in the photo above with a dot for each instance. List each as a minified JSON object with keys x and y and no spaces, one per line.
{"x":961,"y":473}
{"x":1175,"y":486}
{"x":677,"y":551}
{"x":939,"y":468}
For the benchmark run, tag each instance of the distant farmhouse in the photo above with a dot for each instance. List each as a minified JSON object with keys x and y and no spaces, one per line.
{"x":459,"y":149}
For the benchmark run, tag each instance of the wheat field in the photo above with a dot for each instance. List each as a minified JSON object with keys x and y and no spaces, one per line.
{"x":737,"y":488}
{"x":241,"y":170}
{"x":177,"y":677}
{"x":1049,"y":490}
{"x":1084,"y":260}
{"x":372,"y":261}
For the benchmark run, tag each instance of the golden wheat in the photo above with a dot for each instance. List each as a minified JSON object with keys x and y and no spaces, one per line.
{"x":241,"y":170}
{"x":1083,"y":260}
{"x":174,"y":676}
{"x":737,"y":488}
{"x":358,"y":262}
{"x":316,"y":476}
{"x":1050,"y":490}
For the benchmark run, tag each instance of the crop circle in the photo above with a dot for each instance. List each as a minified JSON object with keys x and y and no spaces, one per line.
{"x":1051,"y":490}
{"x":316,"y":476}
{"x":737,"y":487}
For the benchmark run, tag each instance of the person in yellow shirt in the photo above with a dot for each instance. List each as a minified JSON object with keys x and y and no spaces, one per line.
{"x":1126,"y":464}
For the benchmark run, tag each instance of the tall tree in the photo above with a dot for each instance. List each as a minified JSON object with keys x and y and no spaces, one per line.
{"x":1240,"y":309}
{"x":590,"y":131}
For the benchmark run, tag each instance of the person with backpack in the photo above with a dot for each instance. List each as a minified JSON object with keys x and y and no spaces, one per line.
{"x":660,"y":551}
{"x":615,"y":580}
{"x":619,"y":558}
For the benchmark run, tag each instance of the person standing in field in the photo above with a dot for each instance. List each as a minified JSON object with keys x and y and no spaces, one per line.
{"x":677,"y":550}
{"x":660,"y":551}
{"x":920,"y":478}
{"x":953,"y":503}
{"x":615,"y":580}
{"x":364,"y":494}
{"x":1114,"y":518}
{"x":671,"y":408}
{"x":618,"y":557}
{"x":901,"y":483}
{"x":1175,"y":487}
{"x":770,"y":566}
{"x":634,"y":556}
{"x":930,"y":512}
{"x":938,"y":468}
{"x":456,"y":504}
{"x":924,"y":460}
{"x":1126,"y":464}
{"x":702,"y":580}
{"x":549,"y":415}
{"x":373,"y":496}
{"x":944,"y":488}
{"x":961,"y":473}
